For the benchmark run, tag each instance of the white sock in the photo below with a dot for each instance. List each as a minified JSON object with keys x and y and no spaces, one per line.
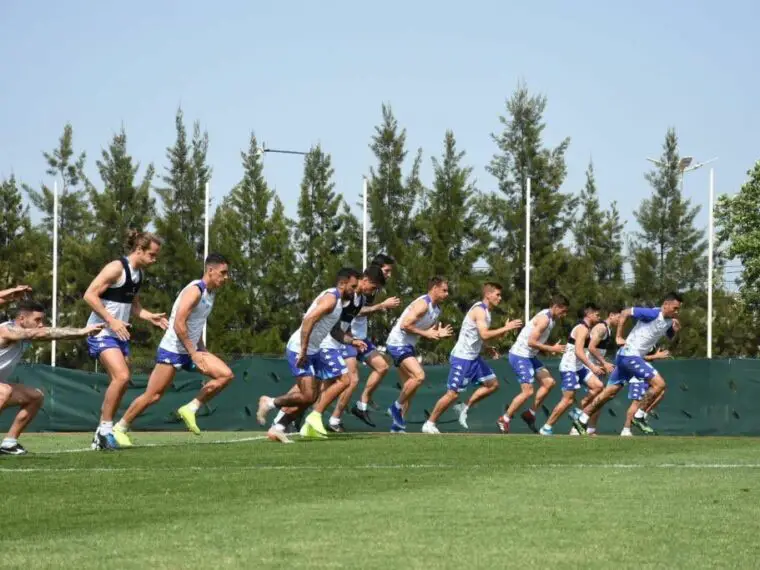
{"x":428,"y":423}
{"x":506,"y":418}
{"x":8,"y":442}
{"x":532,"y":412}
{"x":465,"y":409}
{"x":397,"y":405}
{"x":121,"y":425}
{"x":591,"y":430}
{"x":640,"y":415}
{"x":278,"y":417}
{"x":583,"y":418}
{"x":195,"y":405}
{"x":362,"y":406}
{"x":334,"y":421}
{"x":547,"y":426}
{"x":105,"y":427}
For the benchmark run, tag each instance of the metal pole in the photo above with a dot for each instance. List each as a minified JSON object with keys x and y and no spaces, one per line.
{"x":527,"y":251}
{"x":365,"y":189}
{"x":205,"y":239}
{"x":710,"y":232}
{"x":55,"y":268}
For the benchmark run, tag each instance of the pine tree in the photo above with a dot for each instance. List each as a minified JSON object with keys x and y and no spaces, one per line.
{"x":610,"y":268}
{"x":587,"y":229}
{"x":669,"y":251}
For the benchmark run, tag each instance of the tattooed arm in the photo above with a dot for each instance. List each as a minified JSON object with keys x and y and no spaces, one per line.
{"x":12,"y":333}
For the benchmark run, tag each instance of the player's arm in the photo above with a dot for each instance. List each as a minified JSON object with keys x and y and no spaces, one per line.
{"x":389,"y":303}
{"x":540,"y":324}
{"x":345,"y":337}
{"x":416,"y":312}
{"x":11,"y":334}
{"x":597,"y":334}
{"x":189,"y":299}
{"x":478,"y":315}
{"x":658,"y":355}
{"x":580,"y":351}
{"x":157,"y":319}
{"x":325,"y":305}
{"x":7,"y":295}
{"x":640,"y":314}
{"x":107,"y":277}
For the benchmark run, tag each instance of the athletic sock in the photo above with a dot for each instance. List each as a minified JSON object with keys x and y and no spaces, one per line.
{"x":334,"y":421}
{"x":362,"y":406}
{"x":640,"y":415}
{"x":105,"y":428}
{"x":8,"y":442}
{"x":194,"y":406}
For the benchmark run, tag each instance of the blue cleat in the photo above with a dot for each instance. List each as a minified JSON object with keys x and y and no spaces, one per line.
{"x":107,"y":442}
{"x":398,"y":419}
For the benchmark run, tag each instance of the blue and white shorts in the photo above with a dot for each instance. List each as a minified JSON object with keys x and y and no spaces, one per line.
{"x":177,"y":360}
{"x":97,"y":344}
{"x":572,"y":381}
{"x":464,"y":373}
{"x":401,"y":353}
{"x":637,"y":389}
{"x":324,"y":365}
{"x":352,"y":352}
{"x":525,"y":368}
{"x":628,"y":368}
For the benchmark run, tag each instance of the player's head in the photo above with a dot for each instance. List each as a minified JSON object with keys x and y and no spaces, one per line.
{"x":559,"y":306}
{"x":143,"y":247}
{"x":438,"y":288}
{"x":589,"y":312}
{"x":671,"y":305}
{"x":492,"y":293}
{"x":30,"y":315}
{"x":385,"y":263}
{"x":372,"y":280}
{"x":346,"y":282}
{"x":217,"y":270}
{"x":613,"y":316}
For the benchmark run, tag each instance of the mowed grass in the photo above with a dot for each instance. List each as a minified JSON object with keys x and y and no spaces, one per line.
{"x":380,"y":501}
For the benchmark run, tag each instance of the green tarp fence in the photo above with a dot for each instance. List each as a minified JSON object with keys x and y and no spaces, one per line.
{"x":705,"y":397}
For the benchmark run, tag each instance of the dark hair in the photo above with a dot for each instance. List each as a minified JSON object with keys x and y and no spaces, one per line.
{"x":140,"y":240}
{"x":375,"y":275}
{"x":615,"y":309}
{"x":436,"y":280}
{"x":29,"y":306}
{"x":216,"y":259}
{"x":346,"y":273}
{"x":488,"y":285}
{"x":590,"y":307}
{"x":560,"y":300}
{"x":672,"y":296}
{"x":381,"y":259}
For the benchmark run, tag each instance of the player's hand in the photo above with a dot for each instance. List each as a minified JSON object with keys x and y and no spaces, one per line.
{"x":359,"y":345}
{"x":120,"y":328}
{"x":444,"y":331}
{"x":513,"y":325}
{"x":558,"y":348}
{"x":159,"y":320}
{"x":302,"y":361}
{"x":391,"y":303}
{"x":620,"y":341}
{"x":598,"y":371}
{"x":676,"y":325}
{"x":609,"y":367}
{"x":199,"y":359}
{"x":661,"y":354}
{"x":92,"y":330}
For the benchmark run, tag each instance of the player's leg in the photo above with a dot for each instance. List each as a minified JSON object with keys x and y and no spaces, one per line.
{"x":345,"y":397}
{"x":219,"y":375}
{"x":412,"y":376}
{"x":571,"y":383}
{"x":545,"y":385}
{"x":116,"y":364}
{"x":653,"y":395}
{"x":594,"y":387}
{"x":487,"y":384}
{"x":380,"y":368}
{"x":523,"y":369}
{"x":293,"y":405}
{"x":443,"y":404}
{"x":460,"y":375}
{"x":160,"y":379}
{"x":30,"y":401}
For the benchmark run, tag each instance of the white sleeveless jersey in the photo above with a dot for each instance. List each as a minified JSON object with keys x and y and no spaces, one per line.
{"x":650,"y":327}
{"x":196,"y":320}
{"x":397,"y":337}
{"x":521,"y":348}
{"x":10,"y":356}
{"x":117,"y":299}
{"x":347,"y":318}
{"x":321,"y":328}
{"x":469,"y":344}
{"x":570,"y":362}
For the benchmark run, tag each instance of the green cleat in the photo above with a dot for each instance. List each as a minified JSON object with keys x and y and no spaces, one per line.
{"x":642,"y":425}
{"x":121,"y":437}
{"x":188,"y":416}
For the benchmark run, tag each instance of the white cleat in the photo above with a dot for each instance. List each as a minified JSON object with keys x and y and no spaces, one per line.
{"x":574,"y":431}
{"x":429,"y":427}
{"x":264,"y":407}
{"x":277,"y":433}
{"x":461,"y":410}
{"x":626,"y":433}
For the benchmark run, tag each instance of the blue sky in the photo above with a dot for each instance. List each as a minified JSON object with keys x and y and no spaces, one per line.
{"x":617,"y":75}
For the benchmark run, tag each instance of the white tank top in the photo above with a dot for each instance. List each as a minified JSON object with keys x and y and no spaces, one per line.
{"x":521,"y":348}
{"x":10,"y":356}
{"x":469,"y":344}
{"x":397,"y":337}
{"x":118,"y":306}
{"x":195,"y":320}
{"x":322,"y":327}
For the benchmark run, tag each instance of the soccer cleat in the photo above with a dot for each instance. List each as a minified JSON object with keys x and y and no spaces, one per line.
{"x":308,"y":432}
{"x":529,"y":419}
{"x":363,"y":415}
{"x":121,"y":437}
{"x":277,"y":433}
{"x":106,"y":441}
{"x":395,"y":428}
{"x":398,"y":419}
{"x":461,"y":411}
{"x":642,"y":424}
{"x":95,"y":445}
{"x":15,"y":449}
{"x":574,"y":431}
{"x":574,"y":413}
{"x":336,"y":428}
{"x":626,"y":432}
{"x":580,"y":426}
{"x":188,"y":416}
{"x":503,"y":425}
{"x":314,"y":419}
{"x":263,"y":410}
{"x":430,"y":428}
{"x":546,"y":431}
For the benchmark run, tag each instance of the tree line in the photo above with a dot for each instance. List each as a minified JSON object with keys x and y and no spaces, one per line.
{"x":450,"y":228}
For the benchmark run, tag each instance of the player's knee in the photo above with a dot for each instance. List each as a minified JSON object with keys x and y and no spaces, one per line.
{"x":382,"y":367}
{"x":120,"y":378}
{"x":549,"y":382}
{"x":493,"y":385}
{"x":5,"y":392}
{"x":38,"y":396}
{"x":154,"y":397}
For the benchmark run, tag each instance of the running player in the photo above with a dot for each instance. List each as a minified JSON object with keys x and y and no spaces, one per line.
{"x":182,"y":347}
{"x":113,"y":297}
{"x":15,"y":337}
{"x":467,"y":366}
{"x":417,"y":320}
{"x":307,"y":361}
{"x":630,"y":362}
{"x":635,"y":414}
{"x":576,"y":365}
{"x":522,"y":358}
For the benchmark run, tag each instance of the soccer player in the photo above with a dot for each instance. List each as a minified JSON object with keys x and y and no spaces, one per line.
{"x":419,"y":319}
{"x":522,"y":358}
{"x":575,"y":366}
{"x":308,"y":363}
{"x":14,"y":293}
{"x":15,"y":337}
{"x":182,"y":348}
{"x":114,"y":298}
{"x":651,"y":325}
{"x":467,"y":366}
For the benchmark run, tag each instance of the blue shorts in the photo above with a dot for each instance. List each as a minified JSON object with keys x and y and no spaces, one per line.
{"x":175,"y":359}
{"x":637,"y":389}
{"x":464,"y":372}
{"x":571,"y":381}
{"x":97,"y":344}
{"x":629,"y":367}
{"x":525,"y":368}
{"x":352,"y":352}
{"x":401,"y":353}
{"x":324,"y":365}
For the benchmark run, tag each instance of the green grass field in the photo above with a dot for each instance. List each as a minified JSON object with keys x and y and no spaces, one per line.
{"x":380,"y":501}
